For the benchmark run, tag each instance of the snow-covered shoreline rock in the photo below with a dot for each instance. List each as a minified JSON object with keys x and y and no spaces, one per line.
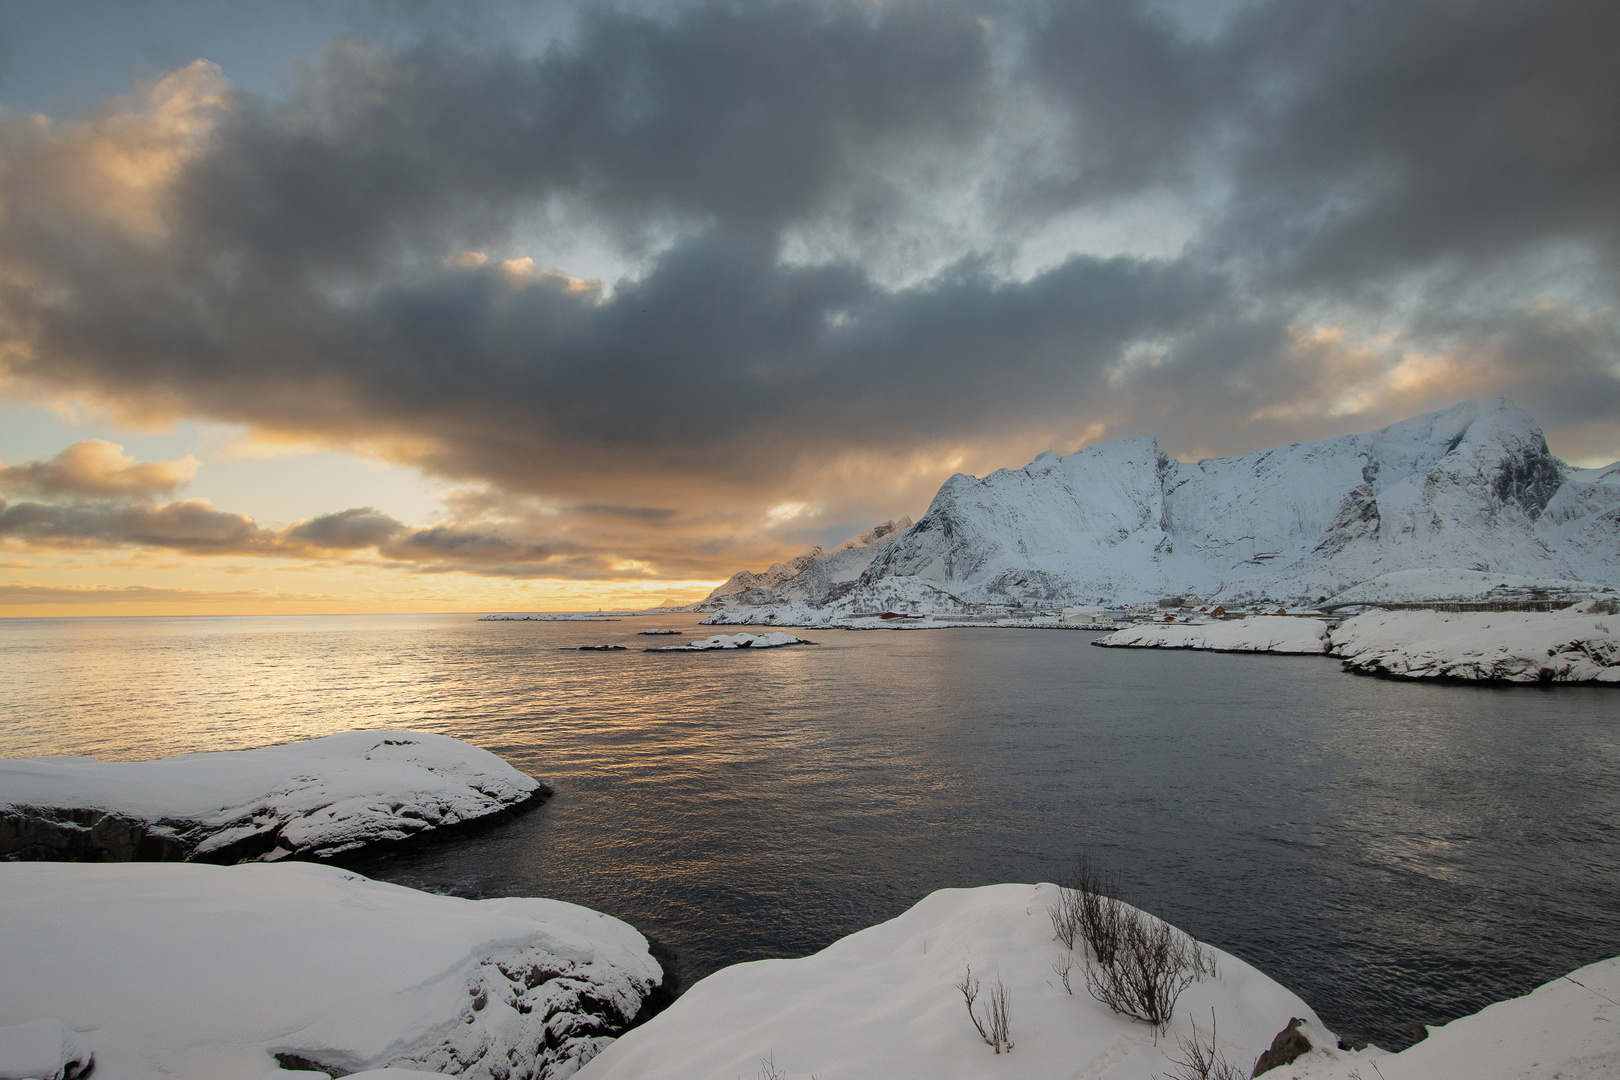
{"x":1562,"y":1030}
{"x":311,"y":800}
{"x":1259,"y":633}
{"x":201,"y":972}
{"x":884,"y":1003}
{"x":1575,"y":645}
{"x":774,"y":640}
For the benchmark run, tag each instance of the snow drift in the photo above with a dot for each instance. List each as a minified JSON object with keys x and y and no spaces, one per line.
{"x":201,"y":972}
{"x":883,"y":1002}
{"x":311,"y":800}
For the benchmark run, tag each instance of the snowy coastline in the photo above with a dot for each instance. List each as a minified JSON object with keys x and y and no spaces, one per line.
{"x":1578,"y":645}
{"x":1262,"y":633}
{"x":311,"y":800}
{"x":884,"y":1002}
{"x":200,"y":972}
{"x":206,"y":971}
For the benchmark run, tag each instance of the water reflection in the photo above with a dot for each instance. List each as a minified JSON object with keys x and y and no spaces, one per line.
{"x":1391,"y":851}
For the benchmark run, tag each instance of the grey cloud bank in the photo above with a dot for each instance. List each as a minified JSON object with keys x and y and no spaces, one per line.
{"x":1393,"y":206}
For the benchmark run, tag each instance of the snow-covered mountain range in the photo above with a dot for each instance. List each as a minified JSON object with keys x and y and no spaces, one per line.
{"x":817,"y":577}
{"x":1468,"y":487}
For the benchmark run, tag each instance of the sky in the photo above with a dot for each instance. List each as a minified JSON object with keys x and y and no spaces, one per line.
{"x":427,"y":306}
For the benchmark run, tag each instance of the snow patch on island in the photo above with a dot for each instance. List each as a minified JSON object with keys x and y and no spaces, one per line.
{"x":884,"y":1003}
{"x":1575,"y":645}
{"x":773,"y":640}
{"x":312,"y":800}
{"x":1260,"y":633}
{"x":200,"y":972}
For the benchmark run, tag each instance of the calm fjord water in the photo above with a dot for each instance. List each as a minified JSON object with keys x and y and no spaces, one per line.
{"x":1391,"y":851}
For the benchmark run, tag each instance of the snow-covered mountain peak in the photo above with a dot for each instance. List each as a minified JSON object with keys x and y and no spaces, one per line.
{"x":1471,"y":486}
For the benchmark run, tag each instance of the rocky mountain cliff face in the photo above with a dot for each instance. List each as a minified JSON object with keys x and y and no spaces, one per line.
{"x":1468,"y":487}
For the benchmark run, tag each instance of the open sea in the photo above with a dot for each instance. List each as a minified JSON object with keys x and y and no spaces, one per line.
{"x":1393,"y":852}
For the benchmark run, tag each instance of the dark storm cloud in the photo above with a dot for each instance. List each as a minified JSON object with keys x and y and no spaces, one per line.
{"x":1444,"y":166}
{"x":1385,"y":136}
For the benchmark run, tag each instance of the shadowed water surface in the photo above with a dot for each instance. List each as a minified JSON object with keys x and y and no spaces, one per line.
{"x":1391,"y":851}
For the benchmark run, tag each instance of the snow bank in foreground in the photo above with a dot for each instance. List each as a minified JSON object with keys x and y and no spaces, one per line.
{"x":772,"y":640}
{"x":202,"y":972}
{"x":1524,"y":646}
{"x":43,"y":1050}
{"x":1565,"y":1029}
{"x":883,"y":1003}
{"x":1261,"y":633}
{"x":313,"y":799}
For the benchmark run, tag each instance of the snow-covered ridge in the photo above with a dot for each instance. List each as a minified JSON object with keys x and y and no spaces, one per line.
{"x":189,"y":972}
{"x":1122,"y":522}
{"x":313,"y":800}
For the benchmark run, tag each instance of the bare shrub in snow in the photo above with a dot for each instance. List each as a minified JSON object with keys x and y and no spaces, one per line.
{"x":1149,"y":964}
{"x":995,"y":1029}
{"x":1065,"y":914}
{"x":1202,"y":1060}
{"x":1062,"y":969}
{"x":768,"y":1069}
{"x":1086,"y":910}
{"x":1137,"y":965}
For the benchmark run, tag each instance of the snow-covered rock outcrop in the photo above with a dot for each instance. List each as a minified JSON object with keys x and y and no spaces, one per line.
{"x":201,"y":972}
{"x":1259,"y":633}
{"x":1576,"y":645}
{"x":774,"y":640}
{"x":816,"y":578}
{"x":1469,"y":486}
{"x":1563,"y":1030}
{"x":312,"y":800}
{"x":884,"y":1003}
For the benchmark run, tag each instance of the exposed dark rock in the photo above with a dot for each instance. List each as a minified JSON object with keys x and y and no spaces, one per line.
{"x":1289,"y":1044}
{"x":57,"y":834}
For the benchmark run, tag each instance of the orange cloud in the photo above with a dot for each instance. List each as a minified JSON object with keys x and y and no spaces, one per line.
{"x":98,"y":469}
